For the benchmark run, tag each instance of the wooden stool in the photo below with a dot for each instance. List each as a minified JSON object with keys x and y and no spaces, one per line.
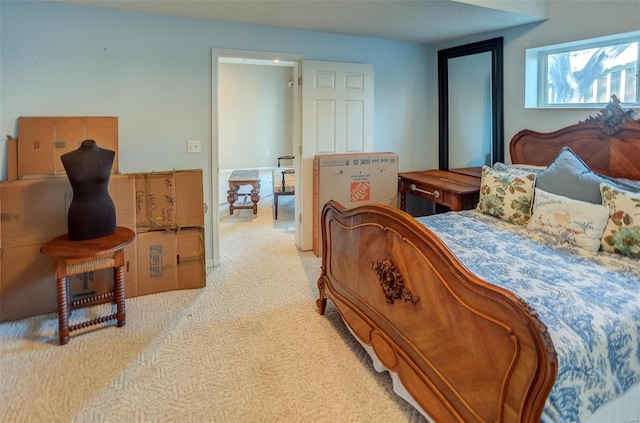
{"x":75,"y":257}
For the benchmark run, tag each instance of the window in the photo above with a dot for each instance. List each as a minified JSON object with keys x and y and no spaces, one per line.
{"x":585,"y":73}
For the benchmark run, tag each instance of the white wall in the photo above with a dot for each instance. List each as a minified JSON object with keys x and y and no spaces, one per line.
{"x":255,"y":104}
{"x":154,"y":73}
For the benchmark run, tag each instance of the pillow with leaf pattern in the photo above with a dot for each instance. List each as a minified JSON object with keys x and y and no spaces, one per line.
{"x":507,"y":196}
{"x":622,"y":233}
{"x":518,"y":169}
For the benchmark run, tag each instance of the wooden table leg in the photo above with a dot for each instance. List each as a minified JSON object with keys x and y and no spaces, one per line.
{"x":118,"y":285}
{"x":232,"y":196}
{"x":255,"y":196}
{"x":63,"y":309}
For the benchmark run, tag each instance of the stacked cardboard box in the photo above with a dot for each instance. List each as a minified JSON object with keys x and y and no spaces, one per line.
{"x":44,"y":139}
{"x":165,"y":209}
{"x":34,"y":211}
{"x":352,"y":180}
{"x":170,"y":231}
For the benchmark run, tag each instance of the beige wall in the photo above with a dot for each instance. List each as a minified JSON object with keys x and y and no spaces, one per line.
{"x":255,"y":114}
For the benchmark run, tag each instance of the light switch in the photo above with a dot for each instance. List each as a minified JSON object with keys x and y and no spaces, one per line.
{"x":193,"y":146}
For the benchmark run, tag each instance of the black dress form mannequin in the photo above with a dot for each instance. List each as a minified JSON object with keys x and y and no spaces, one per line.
{"x":91,"y":213}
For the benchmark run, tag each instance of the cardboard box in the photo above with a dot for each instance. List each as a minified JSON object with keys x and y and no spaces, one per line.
{"x":33,"y":212}
{"x":192,"y":266}
{"x":12,"y":159}
{"x":352,"y":180}
{"x":169,"y":200}
{"x":28,"y":284}
{"x":42,"y":140}
{"x":170,"y":260}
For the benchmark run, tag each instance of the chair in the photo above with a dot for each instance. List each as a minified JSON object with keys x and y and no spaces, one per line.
{"x":283,"y":181}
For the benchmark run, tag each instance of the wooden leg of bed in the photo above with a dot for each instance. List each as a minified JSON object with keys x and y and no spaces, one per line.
{"x":321,"y":303}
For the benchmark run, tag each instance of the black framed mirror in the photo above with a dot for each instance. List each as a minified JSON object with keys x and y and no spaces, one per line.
{"x":470,"y":96}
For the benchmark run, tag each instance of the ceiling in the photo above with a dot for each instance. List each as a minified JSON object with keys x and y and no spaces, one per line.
{"x":421,"y":21}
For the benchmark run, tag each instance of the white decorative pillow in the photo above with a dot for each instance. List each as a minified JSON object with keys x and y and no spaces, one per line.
{"x":506,"y":195}
{"x":622,"y":233}
{"x":577,"y":222}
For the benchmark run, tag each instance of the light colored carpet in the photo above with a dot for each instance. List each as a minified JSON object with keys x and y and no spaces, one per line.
{"x":250,"y":347}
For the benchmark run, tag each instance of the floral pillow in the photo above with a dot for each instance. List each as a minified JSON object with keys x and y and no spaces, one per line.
{"x":507,"y":196}
{"x":623,"y":184}
{"x":518,"y":169}
{"x":577,"y":222}
{"x":622,"y":233}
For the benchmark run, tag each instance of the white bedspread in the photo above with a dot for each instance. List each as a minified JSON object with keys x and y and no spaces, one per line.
{"x":589,"y":302}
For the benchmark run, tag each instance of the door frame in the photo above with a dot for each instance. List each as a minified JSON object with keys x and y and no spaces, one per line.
{"x":216,"y":54}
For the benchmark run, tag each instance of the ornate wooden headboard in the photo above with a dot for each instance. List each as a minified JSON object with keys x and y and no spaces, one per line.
{"x":608,"y":143}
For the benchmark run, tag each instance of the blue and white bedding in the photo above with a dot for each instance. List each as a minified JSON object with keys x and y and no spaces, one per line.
{"x":590,"y":303}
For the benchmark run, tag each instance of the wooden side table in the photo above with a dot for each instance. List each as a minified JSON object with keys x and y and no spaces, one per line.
{"x":236,"y":180}
{"x":457,"y":190}
{"x":75,"y":257}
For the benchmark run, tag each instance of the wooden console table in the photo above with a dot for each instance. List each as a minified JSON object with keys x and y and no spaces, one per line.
{"x":75,"y":257}
{"x":458,"y":189}
{"x":239,"y":178}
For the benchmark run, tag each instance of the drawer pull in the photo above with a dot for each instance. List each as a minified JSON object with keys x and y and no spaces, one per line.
{"x":435,"y":193}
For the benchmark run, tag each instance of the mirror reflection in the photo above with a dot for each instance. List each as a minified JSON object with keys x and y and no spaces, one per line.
{"x":471,"y":105}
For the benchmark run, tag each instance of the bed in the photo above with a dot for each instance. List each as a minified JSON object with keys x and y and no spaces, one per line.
{"x":500,"y":336}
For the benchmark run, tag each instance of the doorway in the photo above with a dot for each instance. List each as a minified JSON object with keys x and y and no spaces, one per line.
{"x":256,"y":58}
{"x":338,"y":111}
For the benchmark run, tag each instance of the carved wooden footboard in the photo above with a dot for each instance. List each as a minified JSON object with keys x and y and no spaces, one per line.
{"x":465,"y":350}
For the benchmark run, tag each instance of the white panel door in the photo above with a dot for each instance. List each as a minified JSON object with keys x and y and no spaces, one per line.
{"x":337,"y":117}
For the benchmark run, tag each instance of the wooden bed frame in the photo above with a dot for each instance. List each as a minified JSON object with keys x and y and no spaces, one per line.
{"x":464,"y":349}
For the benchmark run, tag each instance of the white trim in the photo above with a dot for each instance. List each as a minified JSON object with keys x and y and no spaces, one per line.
{"x":215,"y":166}
{"x":259,"y":62}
